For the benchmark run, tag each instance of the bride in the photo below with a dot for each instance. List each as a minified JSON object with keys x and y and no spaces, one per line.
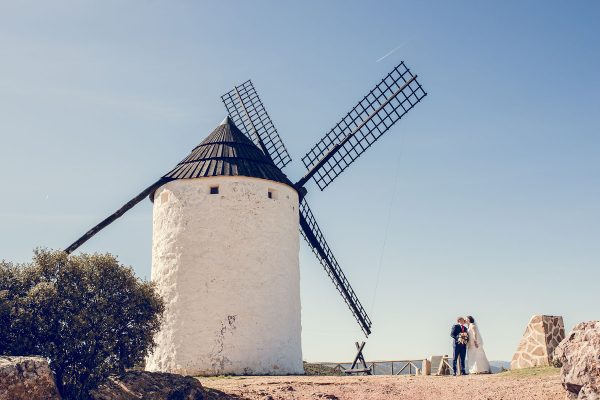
{"x":477,"y":362}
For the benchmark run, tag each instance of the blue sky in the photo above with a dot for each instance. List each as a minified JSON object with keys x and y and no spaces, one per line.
{"x":487,"y":194}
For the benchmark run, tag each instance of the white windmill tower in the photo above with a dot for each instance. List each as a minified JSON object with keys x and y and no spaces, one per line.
{"x":225,"y":258}
{"x":225,"y":234}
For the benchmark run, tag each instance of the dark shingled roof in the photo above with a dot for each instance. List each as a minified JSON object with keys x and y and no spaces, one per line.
{"x":227,"y":152}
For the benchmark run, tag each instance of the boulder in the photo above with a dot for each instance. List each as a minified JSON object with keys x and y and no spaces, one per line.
{"x":26,"y":378}
{"x":579,"y":354}
{"x":136,"y":385}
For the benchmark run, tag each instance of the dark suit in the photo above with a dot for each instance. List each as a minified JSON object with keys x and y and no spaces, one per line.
{"x":460,"y":350}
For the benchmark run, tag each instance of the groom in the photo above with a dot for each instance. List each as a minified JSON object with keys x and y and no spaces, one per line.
{"x":460,"y":345}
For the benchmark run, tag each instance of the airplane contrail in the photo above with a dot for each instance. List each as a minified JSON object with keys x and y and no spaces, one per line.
{"x":389,"y":53}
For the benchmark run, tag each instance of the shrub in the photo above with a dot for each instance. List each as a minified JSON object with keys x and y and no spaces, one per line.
{"x":89,"y":315}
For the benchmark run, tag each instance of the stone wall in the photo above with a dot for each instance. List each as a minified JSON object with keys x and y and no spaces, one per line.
{"x":541,"y":337}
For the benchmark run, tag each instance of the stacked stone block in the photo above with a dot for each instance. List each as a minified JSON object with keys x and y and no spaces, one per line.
{"x":542,"y":336}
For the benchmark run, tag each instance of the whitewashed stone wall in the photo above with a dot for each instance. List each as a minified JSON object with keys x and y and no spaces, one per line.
{"x":227,"y":266}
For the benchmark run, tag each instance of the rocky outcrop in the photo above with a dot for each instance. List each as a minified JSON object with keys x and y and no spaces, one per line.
{"x":579,"y":354}
{"x":542,"y":335}
{"x":26,"y":378}
{"x":136,"y":385}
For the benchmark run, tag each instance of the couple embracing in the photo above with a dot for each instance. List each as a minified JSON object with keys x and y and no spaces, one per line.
{"x":468,"y":344}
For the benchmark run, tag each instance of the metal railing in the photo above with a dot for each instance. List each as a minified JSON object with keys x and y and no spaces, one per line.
{"x":394,"y":367}
{"x":437,"y":365}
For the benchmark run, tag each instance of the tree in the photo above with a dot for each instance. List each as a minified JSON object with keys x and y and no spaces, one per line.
{"x":88,"y":314}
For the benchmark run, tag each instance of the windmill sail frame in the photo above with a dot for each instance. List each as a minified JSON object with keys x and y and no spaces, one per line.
{"x":314,"y":237}
{"x":364,"y":124}
{"x":248,"y":112}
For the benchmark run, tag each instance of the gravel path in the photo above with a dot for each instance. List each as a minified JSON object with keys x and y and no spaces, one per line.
{"x":481,"y":387}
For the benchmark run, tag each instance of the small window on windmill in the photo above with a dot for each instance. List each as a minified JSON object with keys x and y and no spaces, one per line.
{"x":272,"y":194}
{"x":214,"y":190}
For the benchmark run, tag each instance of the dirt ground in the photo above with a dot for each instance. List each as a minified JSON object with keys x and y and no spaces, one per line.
{"x":506,"y":386}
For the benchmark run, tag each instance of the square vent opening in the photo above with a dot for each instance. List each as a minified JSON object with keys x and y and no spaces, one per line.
{"x":214,"y":190}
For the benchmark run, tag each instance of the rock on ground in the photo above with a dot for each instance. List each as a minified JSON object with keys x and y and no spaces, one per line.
{"x":579,"y":354}
{"x":26,"y":378}
{"x":135,"y":385}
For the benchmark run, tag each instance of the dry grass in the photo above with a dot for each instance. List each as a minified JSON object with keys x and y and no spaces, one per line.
{"x":529,"y":372}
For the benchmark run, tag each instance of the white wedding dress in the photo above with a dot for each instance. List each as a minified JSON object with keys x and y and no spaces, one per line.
{"x":477,"y":362}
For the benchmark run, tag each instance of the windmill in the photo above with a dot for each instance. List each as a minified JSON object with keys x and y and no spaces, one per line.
{"x":224,"y":246}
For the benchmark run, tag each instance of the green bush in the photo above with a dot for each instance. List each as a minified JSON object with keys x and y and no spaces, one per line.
{"x":89,"y":315}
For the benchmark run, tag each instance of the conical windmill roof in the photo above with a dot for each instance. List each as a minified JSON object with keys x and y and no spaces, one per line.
{"x":227,"y":152}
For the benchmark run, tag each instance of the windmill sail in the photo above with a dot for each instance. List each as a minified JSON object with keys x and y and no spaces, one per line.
{"x":248,"y":112}
{"x":374,"y":115}
{"x":113,"y":217}
{"x":314,"y":237}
